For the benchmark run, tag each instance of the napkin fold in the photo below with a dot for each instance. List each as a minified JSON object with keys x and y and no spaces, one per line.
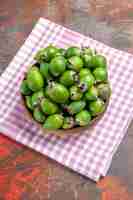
{"x":91,"y":152}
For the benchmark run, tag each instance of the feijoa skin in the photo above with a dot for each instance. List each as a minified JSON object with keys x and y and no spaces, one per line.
{"x":91,"y":94}
{"x":83,"y":118}
{"x":87,"y":59}
{"x":104,"y":91}
{"x":68,"y":78}
{"x":51,"y":52}
{"x":84,"y":72}
{"x":75,"y":93}
{"x":39,"y":115}
{"x":45,"y":54}
{"x":73,"y":51}
{"x":86,"y":82}
{"x":88,"y":51}
{"x":57,"y":66}
{"x":100,"y":74}
{"x":58,"y":93}
{"x":37,"y":97}
{"x":97,"y":107}
{"x":24,"y":89}
{"x":99,"y":61}
{"x":35,"y":80}
{"x":76,"y":107}
{"x":41,"y":56}
{"x":76,"y":63}
{"x":62,"y":51}
{"x":28,"y":102}
{"x":53,"y":122}
{"x":48,"y":107}
{"x":44,"y":69}
{"x":68,"y":123}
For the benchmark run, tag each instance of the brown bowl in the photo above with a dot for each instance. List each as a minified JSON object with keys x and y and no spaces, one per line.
{"x":63,"y":132}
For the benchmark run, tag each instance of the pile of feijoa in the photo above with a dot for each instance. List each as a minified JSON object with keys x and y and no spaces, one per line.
{"x":66,"y":88}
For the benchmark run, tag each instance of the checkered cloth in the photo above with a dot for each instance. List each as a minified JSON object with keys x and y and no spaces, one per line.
{"x":91,"y":152}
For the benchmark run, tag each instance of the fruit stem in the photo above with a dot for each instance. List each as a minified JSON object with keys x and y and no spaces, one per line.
{"x":82,"y":87}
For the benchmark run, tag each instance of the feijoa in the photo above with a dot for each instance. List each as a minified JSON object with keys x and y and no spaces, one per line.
{"x":28,"y":102}
{"x":37,"y":97}
{"x":83,"y":118}
{"x":104,"y":91}
{"x":39,"y":115}
{"x":75,"y":93}
{"x":34,"y":79}
{"x":48,"y":107}
{"x":68,"y":78}
{"x":57,"y":65}
{"x":100,"y":74}
{"x":44,"y":69}
{"x":76,"y":63}
{"x":57,"y":93}
{"x":87,"y":59}
{"x":86,"y":82}
{"x":54,"y":122}
{"x":96,"y":107}
{"x":92,"y":93}
{"x":99,"y":61}
{"x":84,"y":72}
{"x":73,"y":51}
{"x":76,"y":107}
{"x":24,"y":88}
{"x":68,"y":123}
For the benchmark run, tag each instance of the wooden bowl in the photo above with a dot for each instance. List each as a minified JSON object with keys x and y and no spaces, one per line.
{"x":63,"y":132}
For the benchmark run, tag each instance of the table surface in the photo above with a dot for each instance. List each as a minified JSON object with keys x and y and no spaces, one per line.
{"x":27,"y":175}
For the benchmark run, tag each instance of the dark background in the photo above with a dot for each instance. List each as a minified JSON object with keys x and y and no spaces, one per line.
{"x":27,"y":175}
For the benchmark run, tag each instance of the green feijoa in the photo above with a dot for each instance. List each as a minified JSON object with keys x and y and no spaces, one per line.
{"x":86,"y":82}
{"x":83,"y":118}
{"x":87,"y":60}
{"x":75,"y":93}
{"x":44,"y":69}
{"x":37,"y":97}
{"x":61,"y":52}
{"x":91,"y":94}
{"x":68,"y":123}
{"x":100,"y":74}
{"x":51,"y":51}
{"x":46,"y":54}
{"x":88,"y":51}
{"x":96,"y":107}
{"x":35,"y":79}
{"x":76,"y":63}
{"x":46,"y":91}
{"x":68,"y":78}
{"x":41,"y":55}
{"x":104,"y":91}
{"x":57,"y":65}
{"x":24,"y":88}
{"x":57,"y":93}
{"x":73,"y":51}
{"x":28,"y":102}
{"x":84,"y":72}
{"x":54,"y":122}
{"x":58,"y":54}
{"x":76,"y":106}
{"x":99,"y":61}
{"x":48,"y":107}
{"x":39,"y":115}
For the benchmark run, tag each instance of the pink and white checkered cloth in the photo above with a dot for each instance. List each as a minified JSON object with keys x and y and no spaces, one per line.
{"x":91,"y":152}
